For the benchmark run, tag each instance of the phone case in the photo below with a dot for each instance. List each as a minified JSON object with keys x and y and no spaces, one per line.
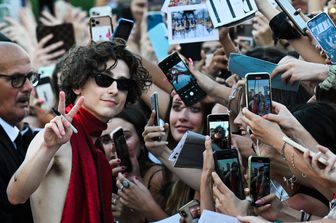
{"x":190,"y":211}
{"x":155,"y":107}
{"x":63,"y":32}
{"x":259,"y":177}
{"x":123,"y":29}
{"x":323,"y":30}
{"x":219,"y":130}
{"x":179,"y":75}
{"x":258,"y":97}
{"x":45,"y":90}
{"x":100,"y":11}
{"x":227,"y":167}
{"x":101,"y":28}
{"x":121,"y":148}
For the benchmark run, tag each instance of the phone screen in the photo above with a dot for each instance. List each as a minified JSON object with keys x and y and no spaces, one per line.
{"x":258,"y":93}
{"x":4,"y":12}
{"x":181,"y":78}
{"x":324,"y":31}
{"x":123,"y":30}
{"x":228,"y":168}
{"x":259,"y":182}
{"x":191,"y":211}
{"x":289,"y":9}
{"x":122,"y":149}
{"x":220,"y":133}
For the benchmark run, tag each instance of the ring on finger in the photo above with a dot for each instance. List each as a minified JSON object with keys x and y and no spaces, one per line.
{"x":125,"y":184}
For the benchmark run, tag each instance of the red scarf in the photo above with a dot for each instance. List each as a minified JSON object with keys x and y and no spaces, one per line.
{"x":89,"y":193}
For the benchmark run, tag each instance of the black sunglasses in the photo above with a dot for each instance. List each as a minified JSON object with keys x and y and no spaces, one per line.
{"x":17,"y":80}
{"x":103,"y":80}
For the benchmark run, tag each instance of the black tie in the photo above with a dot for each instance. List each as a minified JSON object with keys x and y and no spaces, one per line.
{"x":19,"y":149}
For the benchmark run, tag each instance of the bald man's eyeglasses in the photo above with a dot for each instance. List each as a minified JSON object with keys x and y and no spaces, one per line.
{"x":18,"y":80}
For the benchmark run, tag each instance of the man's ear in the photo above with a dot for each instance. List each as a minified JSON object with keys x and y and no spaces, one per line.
{"x":77,"y":91}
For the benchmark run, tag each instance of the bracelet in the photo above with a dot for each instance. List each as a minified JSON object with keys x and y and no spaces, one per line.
{"x":282,"y":152}
{"x":330,"y":82}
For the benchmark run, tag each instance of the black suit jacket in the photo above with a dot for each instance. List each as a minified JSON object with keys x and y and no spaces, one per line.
{"x":10,"y":160}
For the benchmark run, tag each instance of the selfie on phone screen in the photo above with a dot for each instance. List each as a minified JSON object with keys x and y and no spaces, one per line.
{"x":219,"y":133}
{"x":259,"y":177}
{"x":259,"y":93}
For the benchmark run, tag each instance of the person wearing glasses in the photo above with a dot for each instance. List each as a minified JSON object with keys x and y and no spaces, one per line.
{"x":65,"y":173}
{"x":15,"y":87}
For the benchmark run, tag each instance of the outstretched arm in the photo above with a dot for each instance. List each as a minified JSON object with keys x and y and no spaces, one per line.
{"x":40,"y":154}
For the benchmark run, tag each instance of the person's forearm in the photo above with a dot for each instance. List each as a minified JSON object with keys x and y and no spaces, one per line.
{"x":206,"y":200}
{"x":189,"y":176}
{"x":153,"y":212}
{"x":158,"y":76}
{"x":302,"y":136}
{"x":221,"y":94}
{"x":308,"y":52}
{"x":29,"y":175}
{"x":267,"y":9}
{"x":228,"y":45}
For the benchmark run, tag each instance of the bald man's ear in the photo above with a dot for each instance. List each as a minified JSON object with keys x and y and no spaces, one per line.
{"x":4,"y":38}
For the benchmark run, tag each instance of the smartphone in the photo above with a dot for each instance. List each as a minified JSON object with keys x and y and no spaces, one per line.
{"x":303,"y":149}
{"x":258,"y":93}
{"x":123,"y":29}
{"x":101,"y":28}
{"x":227,"y":167}
{"x":323,"y":30}
{"x":46,"y":71}
{"x":259,"y":177}
{"x":155,"y":107}
{"x":100,"y":11}
{"x":179,"y":75}
{"x":191,"y":211}
{"x":153,"y":19}
{"x":287,"y":7}
{"x":4,"y":12}
{"x":63,"y":32}
{"x":45,"y":90}
{"x":121,"y":148}
{"x":219,"y":130}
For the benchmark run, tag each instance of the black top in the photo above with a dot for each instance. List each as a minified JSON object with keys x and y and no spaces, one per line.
{"x":10,"y":160}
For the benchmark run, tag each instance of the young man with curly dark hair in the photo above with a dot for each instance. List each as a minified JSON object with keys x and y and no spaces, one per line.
{"x":65,"y":173}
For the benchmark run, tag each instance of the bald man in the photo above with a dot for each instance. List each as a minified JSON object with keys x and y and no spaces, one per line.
{"x":15,"y":89}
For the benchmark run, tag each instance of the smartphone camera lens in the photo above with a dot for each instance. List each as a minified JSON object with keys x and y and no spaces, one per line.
{"x":97,"y":22}
{"x":183,"y":214}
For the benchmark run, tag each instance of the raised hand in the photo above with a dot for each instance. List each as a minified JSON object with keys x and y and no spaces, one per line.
{"x":58,"y":131}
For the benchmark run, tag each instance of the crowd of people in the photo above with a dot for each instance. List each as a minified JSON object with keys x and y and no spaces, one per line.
{"x":61,"y":164}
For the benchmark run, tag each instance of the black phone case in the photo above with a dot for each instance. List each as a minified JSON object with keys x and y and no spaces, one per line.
{"x":63,"y":32}
{"x":190,"y":93}
{"x":122,"y":151}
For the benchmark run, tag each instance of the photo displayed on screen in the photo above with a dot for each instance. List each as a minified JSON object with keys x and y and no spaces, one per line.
{"x":179,"y":75}
{"x":101,"y":33}
{"x":324,"y":31}
{"x":229,"y":172}
{"x":259,"y":99}
{"x":195,"y":213}
{"x":219,"y":133}
{"x":260,"y":180}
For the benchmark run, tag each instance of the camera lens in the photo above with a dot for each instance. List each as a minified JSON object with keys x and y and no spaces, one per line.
{"x":97,"y":22}
{"x":93,"y":25}
{"x":183,"y":214}
{"x":93,"y":20}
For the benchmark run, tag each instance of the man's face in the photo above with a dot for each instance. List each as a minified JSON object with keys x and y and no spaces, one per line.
{"x":14,"y":102}
{"x":106,"y":102}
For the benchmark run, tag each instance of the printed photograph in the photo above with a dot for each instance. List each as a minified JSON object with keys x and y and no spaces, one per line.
{"x":173,"y":3}
{"x":187,"y":26}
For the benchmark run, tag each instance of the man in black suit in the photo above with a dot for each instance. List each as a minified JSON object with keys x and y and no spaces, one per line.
{"x":15,"y":88}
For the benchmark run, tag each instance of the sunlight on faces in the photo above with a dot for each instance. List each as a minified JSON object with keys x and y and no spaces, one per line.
{"x":14,"y":102}
{"x":184,"y":118}
{"x":131,"y":136}
{"x":105,"y":103}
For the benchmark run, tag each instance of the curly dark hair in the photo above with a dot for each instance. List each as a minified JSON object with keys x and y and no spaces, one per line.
{"x":83,"y":62}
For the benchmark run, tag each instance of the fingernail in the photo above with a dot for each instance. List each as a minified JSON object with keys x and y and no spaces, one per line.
{"x":118,"y":160}
{"x":136,"y":178}
{"x":258,"y":202}
{"x":264,"y":116}
{"x":207,"y":137}
{"x":191,"y":62}
{"x":123,"y":168}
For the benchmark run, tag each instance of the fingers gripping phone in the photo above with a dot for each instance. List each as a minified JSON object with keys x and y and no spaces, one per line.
{"x":259,"y":177}
{"x":121,"y":148}
{"x":179,"y":75}
{"x":292,"y":14}
{"x":191,"y":211}
{"x":324,"y":32}
{"x":123,"y":29}
{"x":219,"y":130}
{"x":227,"y":167}
{"x":258,"y":93}
{"x":101,"y":28}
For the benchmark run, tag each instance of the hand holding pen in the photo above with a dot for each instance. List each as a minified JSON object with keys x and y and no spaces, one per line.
{"x":59,"y":130}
